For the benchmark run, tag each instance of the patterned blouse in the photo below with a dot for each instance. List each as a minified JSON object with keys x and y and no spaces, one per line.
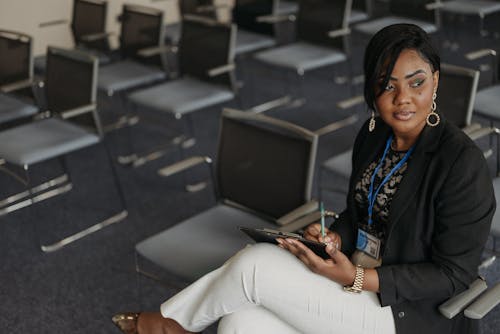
{"x":382,"y":204}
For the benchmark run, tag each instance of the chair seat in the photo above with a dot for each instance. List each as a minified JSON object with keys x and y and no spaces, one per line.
{"x":357,"y":16}
{"x":488,"y":101}
{"x":12,"y":109}
{"x":202,"y":243}
{"x":43,"y":140}
{"x":340,"y":164}
{"x":181,"y":96}
{"x":301,"y":56}
{"x":247,"y":41}
{"x":125,"y":75}
{"x":371,"y":27}
{"x":477,"y":7}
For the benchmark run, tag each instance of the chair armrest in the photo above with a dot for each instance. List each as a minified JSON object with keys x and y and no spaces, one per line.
{"x":351,"y":102}
{"x":484,"y":304}
{"x":276,"y":18}
{"x":183,"y":165}
{"x":211,"y":8}
{"x":221,"y":70}
{"x":78,"y":111}
{"x":298,"y":212}
{"x":434,"y":5}
{"x":456,"y":304}
{"x":473,"y":55}
{"x":156,"y":50}
{"x":479,"y":132}
{"x":306,"y":220}
{"x":336,"y":125}
{"x":96,"y":37}
{"x":16,"y":85}
{"x":471,"y":128}
{"x":339,"y":32}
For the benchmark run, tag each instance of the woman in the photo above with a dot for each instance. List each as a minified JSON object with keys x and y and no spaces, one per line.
{"x":418,"y":214}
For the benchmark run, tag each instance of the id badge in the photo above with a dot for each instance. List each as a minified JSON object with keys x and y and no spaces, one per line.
{"x":368,"y":244}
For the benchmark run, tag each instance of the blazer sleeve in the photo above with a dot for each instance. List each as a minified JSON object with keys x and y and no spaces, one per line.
{"x":463,"y":210}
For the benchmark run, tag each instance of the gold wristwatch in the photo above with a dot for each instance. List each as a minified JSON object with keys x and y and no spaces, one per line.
{"x":357,"y":286}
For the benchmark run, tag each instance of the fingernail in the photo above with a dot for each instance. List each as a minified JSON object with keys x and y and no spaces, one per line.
{"x":327,"y":240}
{"x":279,"y":241}
{"x":290,"y":241}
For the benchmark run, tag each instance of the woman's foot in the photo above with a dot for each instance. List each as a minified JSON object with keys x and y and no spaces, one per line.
{"x":147,"y":323}
{"x":126,"y":322}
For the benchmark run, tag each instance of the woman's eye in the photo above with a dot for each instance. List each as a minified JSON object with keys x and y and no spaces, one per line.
{"x":417,"y":83}
{"x":389,"y":87}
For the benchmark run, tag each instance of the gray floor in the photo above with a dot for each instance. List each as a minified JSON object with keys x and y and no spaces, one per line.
{"x":78,"y":289}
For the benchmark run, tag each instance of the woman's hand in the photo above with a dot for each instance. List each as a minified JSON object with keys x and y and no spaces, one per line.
{"x":339,"y":268}
{"x":313,"y":232}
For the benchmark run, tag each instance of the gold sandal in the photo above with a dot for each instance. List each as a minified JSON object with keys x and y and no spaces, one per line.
{"x":126,"y":322}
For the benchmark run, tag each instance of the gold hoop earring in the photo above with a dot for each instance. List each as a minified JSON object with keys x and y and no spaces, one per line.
{"x":433,"y":113}
{"x":371,"y":124}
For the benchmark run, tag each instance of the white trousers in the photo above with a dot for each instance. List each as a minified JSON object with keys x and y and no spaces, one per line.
{"x":265,"y":289}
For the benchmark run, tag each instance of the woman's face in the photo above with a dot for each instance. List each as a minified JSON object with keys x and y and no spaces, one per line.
{"x":407,"y":99}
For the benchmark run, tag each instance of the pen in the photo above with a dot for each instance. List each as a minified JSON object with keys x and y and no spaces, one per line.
{"x":322,"y":209}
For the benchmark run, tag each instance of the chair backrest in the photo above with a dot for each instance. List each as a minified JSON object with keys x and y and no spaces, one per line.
{"x":16,"y":58}
{"x":191,"y":7}
{"x":206,"y":44}
{"x":318,"y":17}
{"x":89,"y":17}
{"x":456,"y":93}
{"x":414,"y":9}
{"x":141,"y":27}
{"x":362,"y":5}
{"x":264,"y":164}
{"x":70,"y":84}
{"x":245,"y":13}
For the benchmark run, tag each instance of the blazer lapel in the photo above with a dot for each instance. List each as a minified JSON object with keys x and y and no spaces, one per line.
{"x":427,"y":143}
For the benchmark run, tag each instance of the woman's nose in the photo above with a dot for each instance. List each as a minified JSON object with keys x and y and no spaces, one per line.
{"x":403,"y":96}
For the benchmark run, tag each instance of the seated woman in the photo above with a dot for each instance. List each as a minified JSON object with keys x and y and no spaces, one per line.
{"x":419,"y":210}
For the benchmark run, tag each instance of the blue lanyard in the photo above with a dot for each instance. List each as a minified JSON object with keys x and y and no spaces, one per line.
{"x":373,"y":196}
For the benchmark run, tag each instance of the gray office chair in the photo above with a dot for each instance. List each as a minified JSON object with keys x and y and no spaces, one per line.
{"x":322,"y":31}
{"x":361,"y":9}
{"x":205,"y":8}
{"x":263,"y":177}
{"x":421,"y":13}
{"x":16,"y":79}
{"x":143,"y":60}
{"x":88,"y":28}
{"x":74,"y":124}
{"x":88,"y":25}
{"x":205,"y":81}
{"x":454,"y":13}
{"x":252,"y":34}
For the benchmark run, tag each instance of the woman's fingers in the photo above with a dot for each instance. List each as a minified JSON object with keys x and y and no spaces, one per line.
{"x":313,"y":232}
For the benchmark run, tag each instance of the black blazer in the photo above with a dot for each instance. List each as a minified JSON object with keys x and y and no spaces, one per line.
{"x":439,"y":221}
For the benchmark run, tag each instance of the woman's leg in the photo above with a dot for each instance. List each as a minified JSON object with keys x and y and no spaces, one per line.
{"x":268,"y":276}
{"x":254,"y":319}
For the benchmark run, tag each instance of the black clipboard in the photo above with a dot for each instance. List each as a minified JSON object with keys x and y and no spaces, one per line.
{"x":270,"y":235}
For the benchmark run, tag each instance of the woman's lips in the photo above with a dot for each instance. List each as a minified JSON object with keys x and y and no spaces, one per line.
{"x":403,"y":115}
